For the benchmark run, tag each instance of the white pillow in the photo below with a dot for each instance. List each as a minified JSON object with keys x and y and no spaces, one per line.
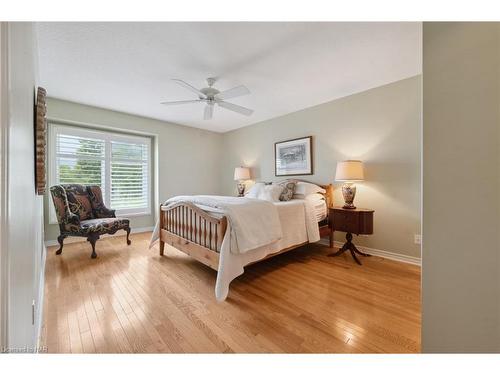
{"x":305,"y":188}
{"x":255,"y":190}
{"x":315,"y":197}
{"x":270,"y":193}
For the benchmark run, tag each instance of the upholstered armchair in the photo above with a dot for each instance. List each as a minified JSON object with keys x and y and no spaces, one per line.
{"x":81,"y":212}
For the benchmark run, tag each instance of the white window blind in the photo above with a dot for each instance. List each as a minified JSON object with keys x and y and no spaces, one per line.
{"x":119,"y":164}
{"x":129,"y":175}
{"x":79,"y":160}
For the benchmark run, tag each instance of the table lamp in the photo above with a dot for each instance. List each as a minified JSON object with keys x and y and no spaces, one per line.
{"x":349,"y":171}
{"x":241,"y":174}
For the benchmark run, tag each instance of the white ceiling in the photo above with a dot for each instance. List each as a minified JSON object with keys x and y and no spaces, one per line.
{"x":287,"y":66}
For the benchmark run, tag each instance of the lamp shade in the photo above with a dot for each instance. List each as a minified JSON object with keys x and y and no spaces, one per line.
{"x":350,"y":170}
{"x":241,"y":173}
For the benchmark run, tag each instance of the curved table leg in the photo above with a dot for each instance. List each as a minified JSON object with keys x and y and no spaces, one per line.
{"x":349,"y":246}
{"x":360,"y":252}
{"x":353,"y":253}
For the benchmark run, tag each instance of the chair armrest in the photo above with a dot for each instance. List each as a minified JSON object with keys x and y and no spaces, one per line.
{"x":72,"y":218}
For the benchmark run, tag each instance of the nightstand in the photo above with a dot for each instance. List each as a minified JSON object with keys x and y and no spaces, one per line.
{"x":357,"y":221}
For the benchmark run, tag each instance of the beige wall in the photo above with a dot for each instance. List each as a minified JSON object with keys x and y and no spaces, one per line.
{"x":188,"y":159}
{"x":381,"y":126}
{"x":461,"y":186}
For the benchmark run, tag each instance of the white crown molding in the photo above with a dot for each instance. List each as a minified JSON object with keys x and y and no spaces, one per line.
{"x":381,"y":253}
{"x":83,"y":239}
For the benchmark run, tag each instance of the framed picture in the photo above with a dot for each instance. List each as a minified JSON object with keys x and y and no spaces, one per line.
{"x":40,"y":141}
{"x":293,"y":157}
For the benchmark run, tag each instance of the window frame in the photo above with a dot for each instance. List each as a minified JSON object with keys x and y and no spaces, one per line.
{"x":108,"y":136}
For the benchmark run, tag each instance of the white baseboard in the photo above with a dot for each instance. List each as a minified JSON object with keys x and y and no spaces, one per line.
{"x":380,"y":253}
{"x":83,"y":239}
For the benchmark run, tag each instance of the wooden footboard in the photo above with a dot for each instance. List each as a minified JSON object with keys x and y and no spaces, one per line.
{"x":192,"y":231}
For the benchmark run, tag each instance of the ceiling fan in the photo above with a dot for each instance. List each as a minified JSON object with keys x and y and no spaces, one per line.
{"x":212,"y":96}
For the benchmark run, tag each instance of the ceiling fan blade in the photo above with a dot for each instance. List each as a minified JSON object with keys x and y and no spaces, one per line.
{"x":182,"y":102}
{"x":209,"y":112}
{"x":189,"y":87}
{"x":233,"y":93}
{"x":236,"y":108}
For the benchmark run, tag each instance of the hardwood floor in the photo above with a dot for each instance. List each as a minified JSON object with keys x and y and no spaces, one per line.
{"x":131,"y":300}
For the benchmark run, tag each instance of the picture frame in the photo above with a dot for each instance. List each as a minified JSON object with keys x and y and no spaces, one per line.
{"x":293,"y":157}
{"x":40,"y":130}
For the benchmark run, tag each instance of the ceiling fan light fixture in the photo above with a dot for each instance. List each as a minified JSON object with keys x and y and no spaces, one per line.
{"x":209,"y":111}
{"x":211,"y":95}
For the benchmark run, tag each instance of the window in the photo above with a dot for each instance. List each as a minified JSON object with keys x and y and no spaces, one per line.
{"x":118,"y":163}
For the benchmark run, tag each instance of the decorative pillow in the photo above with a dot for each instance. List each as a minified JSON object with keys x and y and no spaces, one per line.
{"x":288,"y":189}
{"x":270,"y":193}
{"x":306,"y":188}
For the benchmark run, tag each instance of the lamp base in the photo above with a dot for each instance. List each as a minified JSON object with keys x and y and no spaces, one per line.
{"x":349,"y":206}
{"x":241,"y":189}
{"x":349,"y":192}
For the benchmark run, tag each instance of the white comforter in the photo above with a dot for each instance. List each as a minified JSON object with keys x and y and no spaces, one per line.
{"x":296,"y":220}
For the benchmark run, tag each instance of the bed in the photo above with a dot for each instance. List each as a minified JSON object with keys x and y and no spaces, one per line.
{"x":197,"y":226}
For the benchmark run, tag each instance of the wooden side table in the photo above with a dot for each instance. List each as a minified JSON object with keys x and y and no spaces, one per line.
{"x":357,"y":221}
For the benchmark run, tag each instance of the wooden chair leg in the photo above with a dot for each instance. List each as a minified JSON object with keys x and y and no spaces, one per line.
{"x":93,"y":239}
{"x":128,"y":232}
{"x":60,"y":239}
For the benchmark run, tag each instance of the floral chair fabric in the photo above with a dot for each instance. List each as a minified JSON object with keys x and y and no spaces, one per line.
{"x":79,"y":201}
{"x":103,"y":225}
{"x":81,"y":212}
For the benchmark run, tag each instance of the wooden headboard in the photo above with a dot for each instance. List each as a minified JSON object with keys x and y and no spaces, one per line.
{"x":328,"y":195}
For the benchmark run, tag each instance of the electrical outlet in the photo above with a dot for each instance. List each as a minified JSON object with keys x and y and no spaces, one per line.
{"x":418,"y":239}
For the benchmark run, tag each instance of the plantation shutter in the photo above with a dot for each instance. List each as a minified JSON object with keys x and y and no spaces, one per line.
{"x":118,"y":163}
{"x":80,"y":160}
{"x":129,"y":174}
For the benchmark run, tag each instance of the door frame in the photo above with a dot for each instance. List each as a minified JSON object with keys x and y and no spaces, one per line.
{"x":4,"y":126}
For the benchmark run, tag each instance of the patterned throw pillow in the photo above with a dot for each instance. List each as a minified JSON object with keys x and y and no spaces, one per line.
{"x":288,"y":189}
